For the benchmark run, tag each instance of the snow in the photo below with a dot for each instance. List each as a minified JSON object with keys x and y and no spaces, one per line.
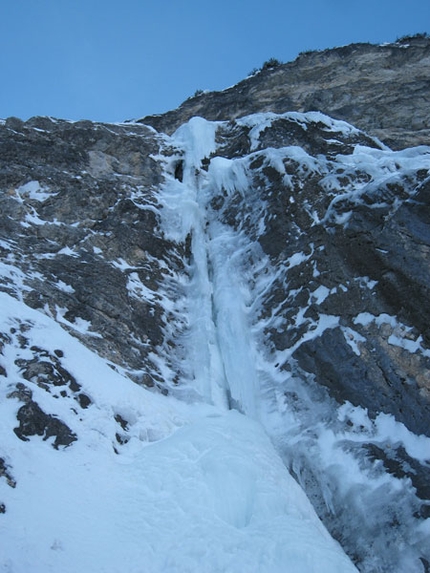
{"x":79,"y":324}
{"x":33,"y":190}
{"x":320,"y":294}
{"x":258,"y":122}
{"x":194,"y":488}
{"x":137,"y":289}
{"x":411,"y":346}
{"x":367,"y":282}
{"x":353,"y":338}
{"x":228,"y":175}
{"x":297,"y":259}
{"x":369,"y":170}
{"x":197,"y":137}
{"x":365,"y":318}
{"x":61,"y":285}
{"x":68,"y":251}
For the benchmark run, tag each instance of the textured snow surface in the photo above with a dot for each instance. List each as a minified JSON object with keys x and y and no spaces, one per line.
{"x":195,"y":487}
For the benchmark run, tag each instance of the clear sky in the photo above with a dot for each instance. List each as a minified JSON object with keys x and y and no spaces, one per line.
{"x":111,"y":60}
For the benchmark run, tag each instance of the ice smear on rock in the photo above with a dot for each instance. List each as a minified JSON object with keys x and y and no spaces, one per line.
{"x":322,"y":448}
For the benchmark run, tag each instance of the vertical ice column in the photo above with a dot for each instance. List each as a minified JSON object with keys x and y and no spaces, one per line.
{"x":204,"y":352}
{"x":184,"y":215}
{"x":231,"y":319}
{"x":220,"y":350}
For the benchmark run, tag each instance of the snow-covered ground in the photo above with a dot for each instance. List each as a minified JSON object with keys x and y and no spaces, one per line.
{"x":189,"y":487}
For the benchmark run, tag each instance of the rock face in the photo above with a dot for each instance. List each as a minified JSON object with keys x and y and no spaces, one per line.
{"x":137,"y":243}
{"x":383,"y":90}
{"x":79,"y":218}
{"x":363,"y":254}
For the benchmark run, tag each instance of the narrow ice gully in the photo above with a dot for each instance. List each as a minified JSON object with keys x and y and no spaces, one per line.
{"x":226,"y":361}
{"x":223,"y":362}
{"x":220,"y":350}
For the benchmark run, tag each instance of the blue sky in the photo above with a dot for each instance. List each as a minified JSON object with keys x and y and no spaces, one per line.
{"x":113,"y":60}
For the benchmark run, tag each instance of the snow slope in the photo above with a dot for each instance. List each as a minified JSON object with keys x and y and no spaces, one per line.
{"x":189,"y":488}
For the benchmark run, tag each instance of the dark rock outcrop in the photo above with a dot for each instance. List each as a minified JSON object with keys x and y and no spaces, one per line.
{"x":6,"y":473}
{"x":33,"y":421}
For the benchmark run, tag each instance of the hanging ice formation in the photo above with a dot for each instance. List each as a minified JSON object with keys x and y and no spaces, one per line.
{"x":220,"y":353}
{"x":228,"y":361}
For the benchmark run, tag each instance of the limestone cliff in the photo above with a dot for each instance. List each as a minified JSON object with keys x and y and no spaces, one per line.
{"x":383,"y":90}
